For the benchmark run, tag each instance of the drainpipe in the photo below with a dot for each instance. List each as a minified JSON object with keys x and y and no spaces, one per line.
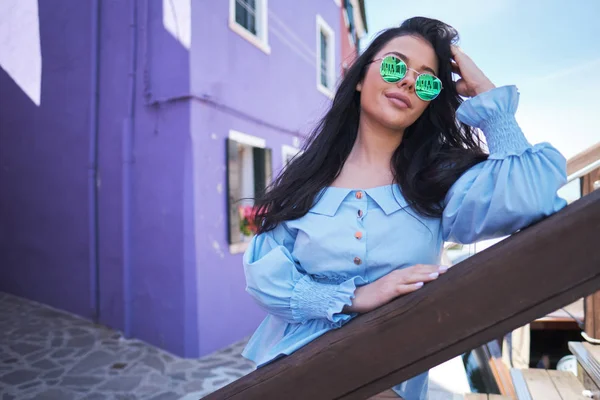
{"x":93,"y":163}
{"x":127,"y":155}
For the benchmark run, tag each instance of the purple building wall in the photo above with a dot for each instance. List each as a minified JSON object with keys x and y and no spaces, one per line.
{"x":151,"y":100}
{"x":44,"y":215}
{"x":278,"y":90}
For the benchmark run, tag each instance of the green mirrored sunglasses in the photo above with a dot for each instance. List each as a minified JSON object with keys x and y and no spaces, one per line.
{"x":394,"y":69}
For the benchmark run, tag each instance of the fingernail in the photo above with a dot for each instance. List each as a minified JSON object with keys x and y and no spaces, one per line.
{"x":434,"y":275}
{"x":444,"y":268}
{"x":419,"y":284}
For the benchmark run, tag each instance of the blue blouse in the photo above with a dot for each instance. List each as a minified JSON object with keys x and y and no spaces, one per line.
{"x":305,"y":271}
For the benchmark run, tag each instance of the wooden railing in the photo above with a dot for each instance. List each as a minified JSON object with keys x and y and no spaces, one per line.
{"x":586,"y":159}
{"x":526,"y":276}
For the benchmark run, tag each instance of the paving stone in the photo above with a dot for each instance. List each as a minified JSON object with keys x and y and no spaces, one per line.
{"x":202,"y":374}
{"x":180,"y":376}
{"x":26,"y":386}
{"x":45,"y":364}
{"x":84,"y":351}
{"x":19,"y":376}
{"x":145,"y":391}
{"x":81,"y":341}
{"x":122,"y":383}
{"x":167,"y":357}
{"x":28,"y":330}
{"x":95,"y":396}
{"x":24,"y":348}
{"x":158,"y":379}
{"x":139,"y":369}
{"x":48,"y":313}
{"x":154,"y":362}
{"x":193,"y":386}
{"x":234,"y":374}
{"x":128,"y":396}
{"x":62,"y":353}
{"x":119,"y":366}
{"x":77,"y":331}
{"x":196,"y":395}
{"x":96,"y":359}
{"x":165,"y":396}
{"x":218,"y":364}
{"x":54,"y":394}
{"x":221,"y":382}
{"x":71,"y":362}
{"x":134,"y":355}
{"x":181,"y":366}
{"x":38,"y":355}
{"x":81,"y":380}
{"x":54,"y":373}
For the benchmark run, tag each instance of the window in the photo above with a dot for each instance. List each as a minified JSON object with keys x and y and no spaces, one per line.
{"x":287,"y":154}
{"x":350,"y":21}
{"x":325,"y":58}
{"x":245,"y":14}
{"x":248,"y":18}
{"x":248,"y":174}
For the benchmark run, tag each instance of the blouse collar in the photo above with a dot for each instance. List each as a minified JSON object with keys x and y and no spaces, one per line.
{"x":388,"y":198}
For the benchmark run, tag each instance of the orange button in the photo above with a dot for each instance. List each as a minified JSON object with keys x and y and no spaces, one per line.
{"x":357,"y":261}
{"x":358,"y":235}
{"x":359,"y":195}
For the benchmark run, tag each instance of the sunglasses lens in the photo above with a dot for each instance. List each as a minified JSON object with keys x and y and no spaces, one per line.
{"x":428,"y":87}
{"x":392,"y":69}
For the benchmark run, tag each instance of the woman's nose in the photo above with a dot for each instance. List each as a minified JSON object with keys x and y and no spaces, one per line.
{"x":409,"y":80}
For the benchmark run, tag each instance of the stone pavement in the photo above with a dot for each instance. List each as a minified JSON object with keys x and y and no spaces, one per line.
{"x":47,"y":354}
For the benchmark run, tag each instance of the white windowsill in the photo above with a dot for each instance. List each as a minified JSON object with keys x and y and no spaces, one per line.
{"x":240,"y":30}
{"x":327,"y":92}
{"x":238,"y":248}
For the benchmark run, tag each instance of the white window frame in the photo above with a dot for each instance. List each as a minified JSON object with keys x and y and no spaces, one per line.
{"x":249,"y":140}
{"x":322,"y":26}
{"x":288,"y":151}
{"x":254,"y":141}
{"x":261,"y":39}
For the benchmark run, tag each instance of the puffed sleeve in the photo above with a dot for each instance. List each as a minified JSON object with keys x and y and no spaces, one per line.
{"x":279,"y":285}
{"x":514,"y":188}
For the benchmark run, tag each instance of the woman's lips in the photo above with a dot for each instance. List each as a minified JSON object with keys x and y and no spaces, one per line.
{"x":399,"y":100}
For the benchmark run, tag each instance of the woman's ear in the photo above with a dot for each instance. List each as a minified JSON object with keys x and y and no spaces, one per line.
{"x":359,"y":86}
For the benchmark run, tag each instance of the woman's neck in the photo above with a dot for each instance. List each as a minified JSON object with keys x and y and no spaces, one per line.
{"x":369,"y":162}
{"x":374,"y":145}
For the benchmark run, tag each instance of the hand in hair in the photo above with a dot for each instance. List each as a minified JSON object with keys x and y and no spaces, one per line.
{"x":473,"y":81}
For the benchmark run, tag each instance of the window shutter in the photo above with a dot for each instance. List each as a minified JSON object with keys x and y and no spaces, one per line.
{"x":262,"y":170}
{"x":232,"y":182}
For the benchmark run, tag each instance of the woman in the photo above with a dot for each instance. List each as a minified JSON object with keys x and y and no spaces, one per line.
{"x":360,"y":217}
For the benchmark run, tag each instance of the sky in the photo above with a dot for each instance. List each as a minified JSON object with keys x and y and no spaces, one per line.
{"x":549,"y":49}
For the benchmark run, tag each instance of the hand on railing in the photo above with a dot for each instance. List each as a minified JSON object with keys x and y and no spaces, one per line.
{"x":395,"y":284}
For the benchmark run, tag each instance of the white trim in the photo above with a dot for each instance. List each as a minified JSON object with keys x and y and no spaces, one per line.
{"x":261,"y":39}
{"x":322,"y":26}
{"x":286,"y":151}
{"x":237,"y":248}
{"x":249,"y":140}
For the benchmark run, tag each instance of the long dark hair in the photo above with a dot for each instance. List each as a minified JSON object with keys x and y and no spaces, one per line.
{"x":434,"y":151}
